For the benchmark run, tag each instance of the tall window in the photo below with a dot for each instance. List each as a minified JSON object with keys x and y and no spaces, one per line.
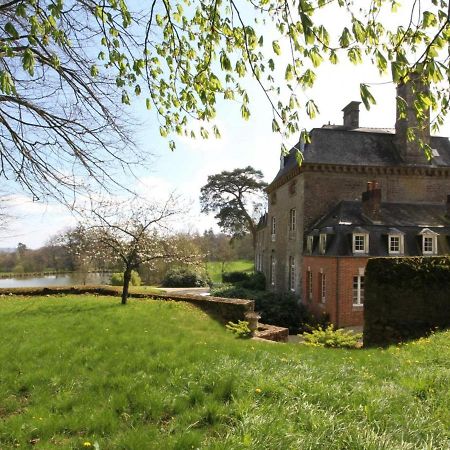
{"x":273,"y":228}
{"x":309,"y":285}
{"x":292,"y":273}
{"x":323,"y":243}
{"x":323,"y":287}
{"x":273,"y":265}
{"x":292,"y":220}
{"x":358,"y":290}
{"x":309,"y":244}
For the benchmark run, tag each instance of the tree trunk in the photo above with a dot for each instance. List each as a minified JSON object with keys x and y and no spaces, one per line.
{"x":126,"y":284}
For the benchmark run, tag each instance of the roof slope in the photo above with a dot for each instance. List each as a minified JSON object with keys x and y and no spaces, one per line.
{"x":338,"y":145}
{"x":406,"y":218}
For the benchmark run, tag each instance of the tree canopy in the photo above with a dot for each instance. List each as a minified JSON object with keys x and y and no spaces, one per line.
{"x":67,"y":65}
{"x":237,"y":197}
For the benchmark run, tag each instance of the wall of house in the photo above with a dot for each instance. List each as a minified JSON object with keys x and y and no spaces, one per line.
{"x":339,"y":272}
{"x":323,"y":190}
{"x":318,"y":191}
{"x":285,"y":243}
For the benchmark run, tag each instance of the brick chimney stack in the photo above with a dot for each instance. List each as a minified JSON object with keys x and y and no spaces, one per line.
{"x":410,"y":151}
{"x":351,"y":115}
{"x":371,"y":200}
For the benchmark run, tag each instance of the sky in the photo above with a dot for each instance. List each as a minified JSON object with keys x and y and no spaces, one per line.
{"x":243,"y":143}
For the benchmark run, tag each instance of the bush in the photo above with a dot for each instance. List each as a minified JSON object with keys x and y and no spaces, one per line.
{"x":234,"y":277}
{"x":240,"y":329}
{"x":185,"y":277}
{"x":329,"y":337}
{"x":117,"y":279}
{"x":283,"y":310}
{"x":405,"y":298}
{"x":256,"y":281}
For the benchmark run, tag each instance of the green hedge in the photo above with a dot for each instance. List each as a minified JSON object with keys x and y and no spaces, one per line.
{"x":405,"y":298}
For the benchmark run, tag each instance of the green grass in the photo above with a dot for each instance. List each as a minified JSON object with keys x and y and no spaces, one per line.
{"x":163,"y":375}
{"x":215,"y":268}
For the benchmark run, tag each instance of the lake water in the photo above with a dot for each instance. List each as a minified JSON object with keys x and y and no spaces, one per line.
{"x":63,"y":279}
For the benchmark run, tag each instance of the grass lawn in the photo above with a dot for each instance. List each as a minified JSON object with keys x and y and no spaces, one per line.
{"x":163,"y":375}
{"x":240,"y":265}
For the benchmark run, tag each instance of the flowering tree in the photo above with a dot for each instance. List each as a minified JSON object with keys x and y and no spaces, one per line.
{"x":138,"y":234}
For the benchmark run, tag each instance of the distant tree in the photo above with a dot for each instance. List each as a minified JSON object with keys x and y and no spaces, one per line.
{"x":238,"y":197}
{"x":138,"y":233}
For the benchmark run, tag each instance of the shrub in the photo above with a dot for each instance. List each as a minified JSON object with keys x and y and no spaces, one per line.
{"x":256,"y":281}
{"x":184,"y":277}
{"x":283,"y":310}
{"x":234,"y":277}
{"x":329,"y":337}
{"x":405,"y":298}
{"x":241,"y":328}
{"x":117,"y":279}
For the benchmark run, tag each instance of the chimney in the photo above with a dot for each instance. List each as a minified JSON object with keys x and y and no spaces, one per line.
{"x":351,"y":115}
{"x":371,"y":200}
{"x":410,"y":151}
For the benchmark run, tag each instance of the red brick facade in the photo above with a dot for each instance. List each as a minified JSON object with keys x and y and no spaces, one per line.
{"x":339,"y":275}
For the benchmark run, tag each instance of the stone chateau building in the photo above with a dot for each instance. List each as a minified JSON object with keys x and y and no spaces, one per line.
{"x":360,"y":192}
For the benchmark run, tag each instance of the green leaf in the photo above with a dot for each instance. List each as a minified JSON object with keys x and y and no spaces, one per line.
{"x":366,"y":96}
{"x":311,"y":109}
{"x":276,"y":47}
{"x":11,"y":30}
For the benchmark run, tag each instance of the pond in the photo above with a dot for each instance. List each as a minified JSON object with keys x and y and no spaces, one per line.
{"x":62,"y":279}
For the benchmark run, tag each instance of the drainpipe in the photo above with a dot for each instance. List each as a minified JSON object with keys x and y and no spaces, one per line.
{"x":337,"y":291}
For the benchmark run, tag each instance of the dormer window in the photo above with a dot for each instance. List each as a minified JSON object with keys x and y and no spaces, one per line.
{"x":360,"y":242}
{"x":429,"y":242}
{"x":322,"y":243}
{"x":395,"y":242}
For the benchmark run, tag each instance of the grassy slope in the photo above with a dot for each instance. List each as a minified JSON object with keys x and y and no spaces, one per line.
{"x":240,"y":265}
{"x":163,"y":375}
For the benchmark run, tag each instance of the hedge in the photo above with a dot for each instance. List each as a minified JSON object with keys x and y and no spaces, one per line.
{"x":405,"y":298}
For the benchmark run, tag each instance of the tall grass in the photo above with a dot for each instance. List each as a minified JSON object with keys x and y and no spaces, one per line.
{"x":160,"y":375}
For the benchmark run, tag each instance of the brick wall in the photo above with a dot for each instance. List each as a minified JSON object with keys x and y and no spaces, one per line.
{"x":339,"y":274}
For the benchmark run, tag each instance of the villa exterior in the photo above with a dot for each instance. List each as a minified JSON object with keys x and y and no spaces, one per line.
{"x":318,"y":232}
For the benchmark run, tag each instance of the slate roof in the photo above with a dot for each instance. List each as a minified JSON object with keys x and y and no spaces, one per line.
{"x":335,"y":144}
{"x":408,"y":219}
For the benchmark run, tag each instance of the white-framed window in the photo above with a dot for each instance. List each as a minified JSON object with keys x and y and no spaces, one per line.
{"x":323,"y":287}
{"x":273,"y":266}
{"x":429,"y":242}
{"x":292,"y":219}
{"x":394,"y":244}
{"x":322,"y":243}
{"x":360,"y":243}
{"x":273,"y":228}
{"x":309,"y":244}
{"x":358,"y":290}
{"x":292,"y":273}
{"x":309,"y":284}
